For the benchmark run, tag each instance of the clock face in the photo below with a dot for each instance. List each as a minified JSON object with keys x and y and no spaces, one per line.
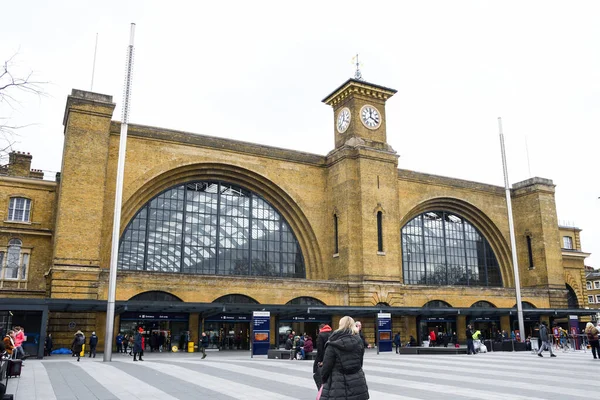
{"x":343,"y":120}
{"x":370,"y":117}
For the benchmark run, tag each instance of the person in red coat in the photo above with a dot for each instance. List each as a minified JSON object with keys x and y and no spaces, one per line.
{"x":432,"y":338}
{"x":308,"y":344}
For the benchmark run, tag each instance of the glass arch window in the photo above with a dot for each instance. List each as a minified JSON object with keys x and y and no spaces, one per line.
{"x":442,"y":248}
{"x":235,"y":299}
{"x":155,"y":296}
{"x":213,"y":228}
{"x":437,"y":304}
{"x":306,"y":301}
{"x":482,"y":304}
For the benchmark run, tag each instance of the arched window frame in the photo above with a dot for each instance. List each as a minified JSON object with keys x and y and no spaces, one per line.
{"x":19,"y":209}
{"x":14,"y":263}
{"x":424,"y":271}
{"x":260,"y":256}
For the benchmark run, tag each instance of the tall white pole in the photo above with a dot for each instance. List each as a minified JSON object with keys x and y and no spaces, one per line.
{"x":511,"y":228}
{"x":114,"y":253}
{"x":94,"y":64}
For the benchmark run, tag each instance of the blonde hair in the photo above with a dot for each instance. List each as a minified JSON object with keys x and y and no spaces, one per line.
{"x":347,"y":324}
{"x":589,"y":326}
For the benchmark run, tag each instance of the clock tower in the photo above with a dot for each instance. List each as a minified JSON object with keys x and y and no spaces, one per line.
{"x":359,"y":112}
{"x":362,"y":184}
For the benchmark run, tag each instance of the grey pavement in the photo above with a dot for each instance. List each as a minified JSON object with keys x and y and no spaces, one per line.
{"x":234,"y":375}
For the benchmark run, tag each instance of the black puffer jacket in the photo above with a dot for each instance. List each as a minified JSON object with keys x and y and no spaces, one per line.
{"x":342,"y":372}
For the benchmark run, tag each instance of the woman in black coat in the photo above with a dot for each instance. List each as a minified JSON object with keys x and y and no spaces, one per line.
{"x":343,"y":377}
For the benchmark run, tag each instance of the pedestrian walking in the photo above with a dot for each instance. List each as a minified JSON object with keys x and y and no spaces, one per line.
{"x":470,"y":345}
{"x":48,"y":345}
{"x":119,"y":342}
{"x":545,"y":340}
{"x":397,"y":342}
{"x":77,"y":345}
{"x":19,"y":339}
{"x":343,"y":376}
{"x":592,"y":335}
{"x":137,"y":344}
{"x":93,"y":343}
{"x":322,"y":339}
{"x":203,"y":344}
{"x":366,"y":345}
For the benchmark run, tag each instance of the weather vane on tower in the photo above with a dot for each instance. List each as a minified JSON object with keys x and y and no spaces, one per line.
{"x":357,"y":74}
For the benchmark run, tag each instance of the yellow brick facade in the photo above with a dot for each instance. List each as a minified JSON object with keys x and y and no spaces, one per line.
{"x":71,"y":224}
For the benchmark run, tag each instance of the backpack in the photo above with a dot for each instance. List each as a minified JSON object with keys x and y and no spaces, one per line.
{"x":79,"y":340}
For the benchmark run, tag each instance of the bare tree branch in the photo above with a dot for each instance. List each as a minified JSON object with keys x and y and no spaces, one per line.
{"x":13,"y":85}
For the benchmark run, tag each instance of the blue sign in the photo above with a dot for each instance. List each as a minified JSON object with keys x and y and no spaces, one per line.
{"x":384,"y":331}
{"x":261,"y":332}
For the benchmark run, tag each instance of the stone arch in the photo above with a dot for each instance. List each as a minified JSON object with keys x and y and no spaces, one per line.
{"x":574,"y":286}
{"x":572,"y":300}
{"x":155,"y":295}
{"x":235,"y":298}
{"x":159,"y":181}
{"x":483,"y":304}
{"x":305,"y":301}
{"x":437,"y":304}
{"x":479,"y":220}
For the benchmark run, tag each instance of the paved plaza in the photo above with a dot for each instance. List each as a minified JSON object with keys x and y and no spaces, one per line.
{"x":222,"y":375}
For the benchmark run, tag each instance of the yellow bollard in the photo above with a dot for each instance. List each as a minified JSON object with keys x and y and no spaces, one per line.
{"x":190,"y":347}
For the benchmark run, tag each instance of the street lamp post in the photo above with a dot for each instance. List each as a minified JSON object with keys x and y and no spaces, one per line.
{"x":114,"y":252}
{"x":511,"y":229}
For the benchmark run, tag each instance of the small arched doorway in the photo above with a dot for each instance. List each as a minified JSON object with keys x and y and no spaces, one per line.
{"x":298,"y":321}
{"x":162,"y":330}
{"x":230,"y":328}
{"x":484,"y":319}
{"x":435,"y":318}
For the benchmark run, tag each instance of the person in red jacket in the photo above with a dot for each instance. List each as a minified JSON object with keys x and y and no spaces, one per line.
{"x":19,"y":339}
{"x":432,"y":338}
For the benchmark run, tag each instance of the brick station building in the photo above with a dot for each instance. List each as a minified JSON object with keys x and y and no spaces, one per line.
{"x":215,"y":228}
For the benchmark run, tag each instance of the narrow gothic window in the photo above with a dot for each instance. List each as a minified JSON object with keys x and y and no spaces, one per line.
{"x":336,"y":248}
{"x":379,"y":231}
{"x":529,"y":252}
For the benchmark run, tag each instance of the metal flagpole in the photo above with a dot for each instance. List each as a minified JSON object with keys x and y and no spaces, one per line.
{"x":112,"y":280}
{"x":513,"y":243}
{"x":94,"y":64}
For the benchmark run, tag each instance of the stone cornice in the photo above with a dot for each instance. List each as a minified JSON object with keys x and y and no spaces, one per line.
{"x":186,"y":138}
{"x":28,"y":183}
{"x":576,"y":254}
{"x":362,"y":88}
{"x":420,"y":177}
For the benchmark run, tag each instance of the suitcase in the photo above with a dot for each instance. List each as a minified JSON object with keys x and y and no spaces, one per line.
{"x":13,"y":368}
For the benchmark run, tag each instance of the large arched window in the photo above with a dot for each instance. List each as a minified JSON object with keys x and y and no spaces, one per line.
{"x":210,"y":228}
{"x":441,"y":248}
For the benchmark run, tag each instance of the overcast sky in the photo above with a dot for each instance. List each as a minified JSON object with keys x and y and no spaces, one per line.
{"x":257,"y":71}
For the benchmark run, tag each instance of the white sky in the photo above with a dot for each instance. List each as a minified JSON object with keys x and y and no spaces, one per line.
{"x":257,"y":71}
